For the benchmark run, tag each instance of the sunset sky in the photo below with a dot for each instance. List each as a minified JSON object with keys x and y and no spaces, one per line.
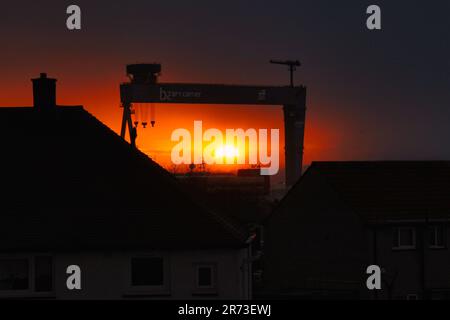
{"x":371,"y":95}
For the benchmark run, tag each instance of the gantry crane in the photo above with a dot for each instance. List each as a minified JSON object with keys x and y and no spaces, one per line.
{"x":145,"y":88}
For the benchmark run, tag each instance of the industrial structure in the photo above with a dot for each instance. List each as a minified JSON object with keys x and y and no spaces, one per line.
{"x":145,"y":88}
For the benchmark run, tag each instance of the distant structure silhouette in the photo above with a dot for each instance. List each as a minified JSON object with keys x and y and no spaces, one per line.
{"x":144,"y":87}
{"x":292,"y":67}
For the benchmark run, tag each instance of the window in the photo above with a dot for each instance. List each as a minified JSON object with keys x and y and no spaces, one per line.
{"x":149,"y":275}
{"x":404,"y":238}
{"x":14,"y":274}
{"x":147,"y":271}
{"x":43,"y":273}
{"x":437,"y":236}
{"x":205,"y":279}
{"x":412,"y":297}
{"x":26,"y":276}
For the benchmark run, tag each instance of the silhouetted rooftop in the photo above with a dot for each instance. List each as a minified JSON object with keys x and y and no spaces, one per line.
{"x":387,"y":189}
{"x":69,"y":182}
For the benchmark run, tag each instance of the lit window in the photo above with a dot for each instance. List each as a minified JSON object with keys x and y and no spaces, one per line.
{"x":404,"y":238}
{"x":437,"y":237}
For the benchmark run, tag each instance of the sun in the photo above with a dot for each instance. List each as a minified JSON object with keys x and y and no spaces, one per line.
{"x":227,"y":151}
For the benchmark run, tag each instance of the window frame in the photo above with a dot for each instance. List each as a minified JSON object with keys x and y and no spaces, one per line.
{"x":399,"y":246}
{"x":163,"y":290}
{"x":434,"y":246}
{"x":213,"y":289}
{"x":31,"y":291}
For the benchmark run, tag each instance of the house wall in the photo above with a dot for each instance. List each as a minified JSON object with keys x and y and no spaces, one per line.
{"x":403,"y":268}
{"x":315,"y":246}
{"x":107,"y":275}
{"x":437,"y":266}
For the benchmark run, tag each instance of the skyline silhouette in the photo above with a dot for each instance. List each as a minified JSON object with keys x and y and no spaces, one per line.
{"x":365,"y":119}
{"x":372,"y":95}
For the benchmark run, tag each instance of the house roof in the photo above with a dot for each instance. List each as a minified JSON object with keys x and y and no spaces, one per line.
{"x":69,"y":182}
{"x":390,"y":189}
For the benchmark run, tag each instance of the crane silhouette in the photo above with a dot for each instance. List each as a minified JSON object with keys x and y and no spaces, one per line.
{"x":293,"y":64}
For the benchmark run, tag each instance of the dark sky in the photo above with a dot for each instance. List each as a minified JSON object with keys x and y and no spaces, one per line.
{"x":372,"y":95}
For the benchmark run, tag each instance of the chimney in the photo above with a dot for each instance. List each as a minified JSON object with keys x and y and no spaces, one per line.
{"x":44,"y":92}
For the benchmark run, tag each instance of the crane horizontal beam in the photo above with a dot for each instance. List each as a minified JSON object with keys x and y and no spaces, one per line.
{"x":295,"y":63}
{"x":185,"y":93}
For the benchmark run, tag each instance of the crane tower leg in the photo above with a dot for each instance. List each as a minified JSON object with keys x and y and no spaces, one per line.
{"x":294,"y":124}
{"x":127,"y":122}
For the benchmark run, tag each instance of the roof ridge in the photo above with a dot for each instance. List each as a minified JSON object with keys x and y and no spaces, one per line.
{"x":227,"y":224}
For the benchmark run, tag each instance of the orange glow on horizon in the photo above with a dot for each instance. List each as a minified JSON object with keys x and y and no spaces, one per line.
{"x":156,"y":142}
{"x":103,"y":101}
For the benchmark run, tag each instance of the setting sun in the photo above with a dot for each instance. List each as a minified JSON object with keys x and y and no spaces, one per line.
{"x":227,"y":151}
